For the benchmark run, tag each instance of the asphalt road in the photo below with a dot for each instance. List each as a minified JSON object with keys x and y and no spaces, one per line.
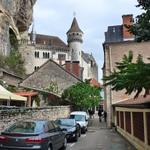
{"x":99,"y":137}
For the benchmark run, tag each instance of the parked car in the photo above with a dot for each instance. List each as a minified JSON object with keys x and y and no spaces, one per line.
{"x":81,"y":118}
{"x":33,"y":135}
{"x":70,"y":127}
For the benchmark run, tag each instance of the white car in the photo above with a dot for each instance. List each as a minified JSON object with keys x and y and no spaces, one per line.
{"x":81,"y":118}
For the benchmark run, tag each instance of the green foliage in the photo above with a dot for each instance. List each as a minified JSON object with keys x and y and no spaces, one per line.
{"x":13,"y":40}
{"x":134,"y":77}
{"x":15,"y":62}
{"x":2,"y":61}
{"x":11,"y":88}
{"x":82,"y":95}
{"x":37,"y":100}
{"x":53,"y":87}
{"x":141,"y":27}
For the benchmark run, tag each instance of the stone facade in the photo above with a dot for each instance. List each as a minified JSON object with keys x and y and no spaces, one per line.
{"x":90,"y":67}
{"x":40,"y":48}
{"x":51,"y":113}
{"x":48,"y":73}
{"x":45,"y":48}
{"x":113,"y":52}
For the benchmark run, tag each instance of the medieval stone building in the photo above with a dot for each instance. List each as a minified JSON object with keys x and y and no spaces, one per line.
{"x":48,"y":60}
{"x":41,"y":48}
{"x":36,"y":49}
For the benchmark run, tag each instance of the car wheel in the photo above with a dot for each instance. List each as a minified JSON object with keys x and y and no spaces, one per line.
{"x":49,"y":148}
{"x":84,"y":131}
{"x":64,"y":144}
{"x":79,"y":132}
{"x":76,"y":137}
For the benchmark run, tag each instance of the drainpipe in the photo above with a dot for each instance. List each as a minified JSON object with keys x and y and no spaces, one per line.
{"x":109,"y":107}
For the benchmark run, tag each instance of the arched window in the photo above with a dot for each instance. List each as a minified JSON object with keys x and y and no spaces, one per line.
{"x":36,"y":54}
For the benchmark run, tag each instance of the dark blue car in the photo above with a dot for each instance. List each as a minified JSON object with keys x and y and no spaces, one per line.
{"x":70,"y":127}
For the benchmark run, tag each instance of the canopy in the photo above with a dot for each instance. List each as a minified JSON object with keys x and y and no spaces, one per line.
{"x":7,"y":95}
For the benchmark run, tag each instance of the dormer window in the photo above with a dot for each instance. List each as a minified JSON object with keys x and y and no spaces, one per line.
{"x":114,"y":30}
{"x":92,"y":63}
{"x":61,"y":56}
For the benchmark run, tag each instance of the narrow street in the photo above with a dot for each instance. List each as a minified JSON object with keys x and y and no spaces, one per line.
{"x":99,"y":137}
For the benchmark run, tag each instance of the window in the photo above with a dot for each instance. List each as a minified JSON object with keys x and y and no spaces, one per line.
{"x":92,"y":63}
{"x":61,"y":56}
{"x":26,"y":127}
{"x":36,"y":54}
{"x":45,"y":55}
{"x":114,"y":30}
{"x":36,"y":67}
{"x":50,"y":126}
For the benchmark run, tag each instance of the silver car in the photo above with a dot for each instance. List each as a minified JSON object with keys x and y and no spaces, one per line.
{"x":33,"y":135}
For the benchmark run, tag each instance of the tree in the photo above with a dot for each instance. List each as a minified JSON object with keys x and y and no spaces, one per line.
{"x":134,"y":77}
{"x":82,"y":95}
{"x":15,"y":62}
{"x":141,"y":27}
{"x":2,"y":61}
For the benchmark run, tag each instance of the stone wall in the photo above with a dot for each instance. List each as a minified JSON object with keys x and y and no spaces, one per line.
{"x":114,"y":52}
{"x":9,"y":116}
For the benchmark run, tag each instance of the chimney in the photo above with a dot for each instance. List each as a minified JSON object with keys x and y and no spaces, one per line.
{"x":68,"y":66}
{"x":127,"y":20}
{"x":76,"y":68}
{"x":73,"y":67}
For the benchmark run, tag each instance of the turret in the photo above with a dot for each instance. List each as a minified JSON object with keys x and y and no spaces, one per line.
{"x":33,"y":35}
{"x":74,"y":39}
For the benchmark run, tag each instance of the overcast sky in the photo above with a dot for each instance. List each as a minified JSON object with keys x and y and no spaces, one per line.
{"x":54,"y":17}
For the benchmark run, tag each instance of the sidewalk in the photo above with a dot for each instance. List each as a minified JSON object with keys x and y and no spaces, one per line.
{"x":109,"y":138}
{"x":94,"y":123}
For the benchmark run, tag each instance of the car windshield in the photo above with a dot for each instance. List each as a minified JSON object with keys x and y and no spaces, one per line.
{"x":78,"y":117}
{"x":26,"y":127}
{"x":66,"y":122}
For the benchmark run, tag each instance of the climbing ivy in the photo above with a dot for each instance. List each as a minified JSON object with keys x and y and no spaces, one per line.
{"x":52,"y":87}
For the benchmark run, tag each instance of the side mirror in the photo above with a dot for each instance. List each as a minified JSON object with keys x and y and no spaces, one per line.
{"x":63,"y":129}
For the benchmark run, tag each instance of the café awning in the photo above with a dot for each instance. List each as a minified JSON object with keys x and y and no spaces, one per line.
{"x":7,"y":95}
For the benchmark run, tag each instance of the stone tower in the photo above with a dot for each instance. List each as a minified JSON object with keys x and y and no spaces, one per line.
{"x":74,"y":39}
{"x":33,"y":35}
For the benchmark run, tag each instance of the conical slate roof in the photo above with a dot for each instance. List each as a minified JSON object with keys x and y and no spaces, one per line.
{"x":74,"y":27}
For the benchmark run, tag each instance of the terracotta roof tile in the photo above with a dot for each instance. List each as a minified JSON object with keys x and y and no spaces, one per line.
{"x":95,"y":83}
{"x":27,"y":93}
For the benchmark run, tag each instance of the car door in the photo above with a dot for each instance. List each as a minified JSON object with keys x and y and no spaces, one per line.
{"x":54,"y":135}
{"x":60,"y":132}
